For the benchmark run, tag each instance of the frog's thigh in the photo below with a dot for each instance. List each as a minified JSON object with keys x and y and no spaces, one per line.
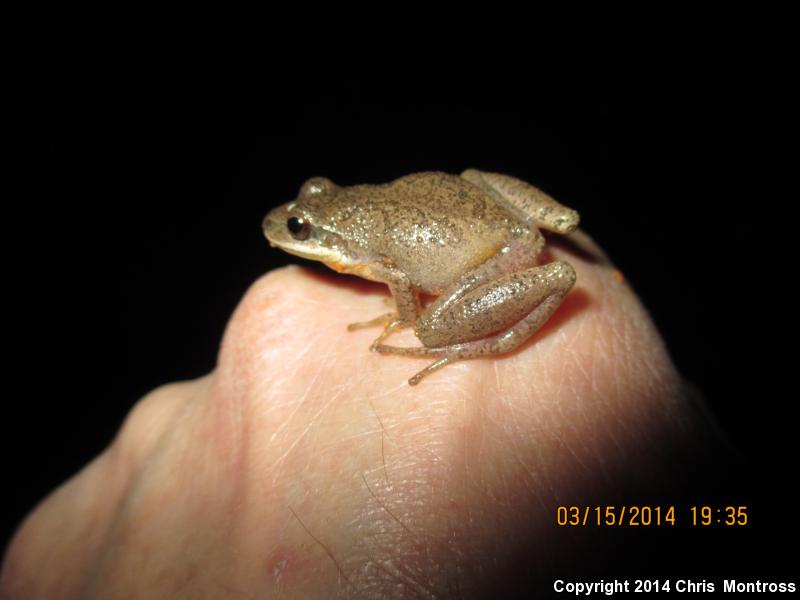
{"x":525,"y":199}
{"x":515,"y":306}
{"x":520,"y":254}
{"x":550,"y":283}
{"x":498,"y":305}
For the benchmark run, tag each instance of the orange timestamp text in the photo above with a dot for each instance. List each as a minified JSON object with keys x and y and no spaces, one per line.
{"x":650,"y":516}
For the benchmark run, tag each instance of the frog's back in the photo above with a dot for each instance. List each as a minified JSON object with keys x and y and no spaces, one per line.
{"x":434,"y":226}
{"x":449,"y":196}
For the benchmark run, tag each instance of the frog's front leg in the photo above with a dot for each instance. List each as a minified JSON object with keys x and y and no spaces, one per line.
{"x":508,"y":310}
{"x":406,"y":297}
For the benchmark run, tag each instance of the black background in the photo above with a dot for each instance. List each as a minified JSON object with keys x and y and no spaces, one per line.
{"x":146,"y":147}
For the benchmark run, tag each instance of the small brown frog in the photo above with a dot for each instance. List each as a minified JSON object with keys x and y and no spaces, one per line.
{"x":473,"y":240}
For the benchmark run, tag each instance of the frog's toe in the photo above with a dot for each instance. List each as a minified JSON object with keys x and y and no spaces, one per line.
{"x":382,"y":320}
{"x":392,"y":326}
{"x":414,"y":351}
{"x":439,"y":364}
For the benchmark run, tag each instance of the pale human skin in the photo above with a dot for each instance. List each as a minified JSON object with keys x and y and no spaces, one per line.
{"x":305,"y":467}
{"x":473,"y":240}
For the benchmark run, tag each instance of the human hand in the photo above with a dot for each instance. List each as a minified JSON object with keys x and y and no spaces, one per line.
{"x":306,"y":466}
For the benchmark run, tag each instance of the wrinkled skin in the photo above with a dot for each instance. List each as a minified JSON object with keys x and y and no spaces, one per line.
{"x":295,"y":473}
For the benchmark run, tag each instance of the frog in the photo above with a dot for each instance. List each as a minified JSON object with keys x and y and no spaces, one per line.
{"x":473,"y":242}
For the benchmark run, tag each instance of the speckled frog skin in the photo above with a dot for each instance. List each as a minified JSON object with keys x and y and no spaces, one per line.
{"x":473,"y":240}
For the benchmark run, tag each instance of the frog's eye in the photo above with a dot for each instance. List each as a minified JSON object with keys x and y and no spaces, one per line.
{"x":299,"y":228}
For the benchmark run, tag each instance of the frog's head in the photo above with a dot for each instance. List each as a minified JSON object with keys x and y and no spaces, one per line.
{"x":296,"y":228}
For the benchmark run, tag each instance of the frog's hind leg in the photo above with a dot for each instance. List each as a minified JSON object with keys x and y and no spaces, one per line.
{"x":528,"y":202}
{"x":544,"y":287}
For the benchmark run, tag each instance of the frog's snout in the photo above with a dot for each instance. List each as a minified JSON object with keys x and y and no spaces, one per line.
{"x":271,"y":229}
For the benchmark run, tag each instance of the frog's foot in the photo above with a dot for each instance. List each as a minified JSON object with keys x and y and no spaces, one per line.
{"x":434,"y":366}
{"x":391,"y":327}
{"x":421,"y":351}
{"x":386,"y":320}
{"x":412,"y":351}
{"x":391,"y":322}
